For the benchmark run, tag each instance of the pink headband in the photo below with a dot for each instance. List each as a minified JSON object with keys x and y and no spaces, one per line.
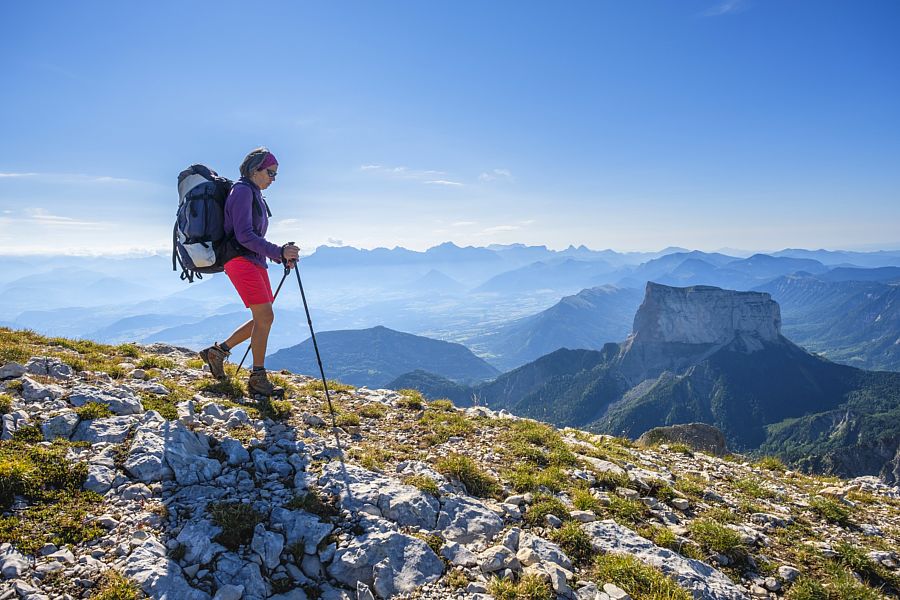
{"x":268,"y":161}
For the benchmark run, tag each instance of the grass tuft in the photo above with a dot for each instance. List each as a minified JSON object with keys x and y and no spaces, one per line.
{"x":574,"y":542}
{"x":544,"y":505}
{"x":423,"y":483}
{"x":831,"y":510}
{"x":642,"y":582}
{"x":529,"y":587}
{"x":411,"y":399}
{"x":315,"y":503}
{"x":477,"y":482}
{"x":237,"y":521}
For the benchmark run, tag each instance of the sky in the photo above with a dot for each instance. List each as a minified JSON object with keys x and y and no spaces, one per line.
{"x":744,"y":124}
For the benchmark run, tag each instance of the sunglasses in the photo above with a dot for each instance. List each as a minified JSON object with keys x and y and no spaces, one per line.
{"x":271,"y":173}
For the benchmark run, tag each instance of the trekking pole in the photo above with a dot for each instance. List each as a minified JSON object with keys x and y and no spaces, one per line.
{"x":278,"y":289}
{"x":312,"y":334}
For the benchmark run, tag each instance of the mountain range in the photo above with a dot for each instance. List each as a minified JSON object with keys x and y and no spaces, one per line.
{"x":377,"y":356}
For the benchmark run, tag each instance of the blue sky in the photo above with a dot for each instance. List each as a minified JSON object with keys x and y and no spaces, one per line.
{"x":704,"y":124}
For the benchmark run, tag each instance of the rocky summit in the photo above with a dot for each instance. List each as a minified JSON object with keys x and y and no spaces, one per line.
{"x":128,"y":472}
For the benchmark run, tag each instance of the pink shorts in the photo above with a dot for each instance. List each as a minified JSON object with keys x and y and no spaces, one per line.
{"x":250,"y":280}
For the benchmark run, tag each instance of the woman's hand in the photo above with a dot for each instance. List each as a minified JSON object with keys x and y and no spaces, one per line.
{"x":289,"y":254}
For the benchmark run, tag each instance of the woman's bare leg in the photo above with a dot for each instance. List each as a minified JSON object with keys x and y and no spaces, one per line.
{"x":263,"y":317}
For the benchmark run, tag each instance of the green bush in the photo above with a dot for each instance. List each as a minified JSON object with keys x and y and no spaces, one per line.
{"x":372,"y":410}
{"x":28,"y":433}
{"x":115,"y":586}
{"x":155,"y":362}
{"x":627,"y":510}
{"x":5,"y":404}
{"x":93,"y":410}
{"x":477,"y":482}
{"x":411,"y":399}
{"x":871,"y":572}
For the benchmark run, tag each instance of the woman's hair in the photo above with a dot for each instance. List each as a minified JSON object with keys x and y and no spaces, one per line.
{"x":253,"y":160}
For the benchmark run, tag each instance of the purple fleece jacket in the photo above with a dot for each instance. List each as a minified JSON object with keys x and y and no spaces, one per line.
{"x":249,"y":225}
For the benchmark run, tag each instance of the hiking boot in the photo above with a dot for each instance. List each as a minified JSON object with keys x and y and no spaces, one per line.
{"x":215,"y":358}
{"x":259,"y":385}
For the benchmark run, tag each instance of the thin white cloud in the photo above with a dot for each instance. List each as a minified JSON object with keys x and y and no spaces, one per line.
{"x":74,"y":178}
{"x":725,"y":7}
{"x":464,"y":223}
{"x":499,"y":228}
{"x":286,"y":222}
{"x":335,"y":242}
{"x":444,"y":182}
{"x":41,"y":217}
{"x":496,"y":174}
{"x":402,"y":172}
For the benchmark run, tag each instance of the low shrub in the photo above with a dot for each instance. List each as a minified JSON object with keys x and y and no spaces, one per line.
{"x":93,"y":410}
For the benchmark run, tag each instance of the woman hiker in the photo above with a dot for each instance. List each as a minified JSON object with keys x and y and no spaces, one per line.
{"x":247,"y":219}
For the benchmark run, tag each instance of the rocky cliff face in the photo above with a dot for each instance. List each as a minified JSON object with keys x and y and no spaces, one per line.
{"x":705,"y":315}
{"x":129,"y":467}
{"x":677,"y":327}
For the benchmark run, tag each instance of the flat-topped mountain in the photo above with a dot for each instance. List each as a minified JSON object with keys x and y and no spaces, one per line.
{"x":704,"y":315}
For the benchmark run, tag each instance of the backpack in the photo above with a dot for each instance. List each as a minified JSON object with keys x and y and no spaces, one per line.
{"x":199,"y":243}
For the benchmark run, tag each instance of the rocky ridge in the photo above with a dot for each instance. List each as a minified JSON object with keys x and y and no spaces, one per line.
{"x":213,"y":495}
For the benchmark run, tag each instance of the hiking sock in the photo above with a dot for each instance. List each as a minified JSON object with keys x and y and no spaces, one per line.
{"x":256,"y":369}
{"x":223,"y":347}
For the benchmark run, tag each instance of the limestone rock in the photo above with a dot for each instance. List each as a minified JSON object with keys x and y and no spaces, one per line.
{"x":11,"y":370}
{"x":120,"y":400}
{"x":33,"y":390}
{"x":402,"y":504}
{"x":158,"y":576}
{"x":197,"y":539}
{"x":703,"y":581}
{"x":108,"y":429}
{"x":60,"y":426}
{"x":698,"y":436}
{"x":268,"y":545}
{"x":389,"y":562}
{"x":466,"y":520}
{"x":300,"y":526}
{"x":49,"y":367}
